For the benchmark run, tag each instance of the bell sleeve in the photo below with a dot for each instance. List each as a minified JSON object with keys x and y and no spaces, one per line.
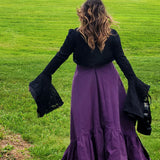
{"x":137,"y":90}
{"x":42,"y":89}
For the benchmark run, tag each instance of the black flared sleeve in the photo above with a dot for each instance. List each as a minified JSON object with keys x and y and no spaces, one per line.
{"x":42,"y":89}
{"x":137,"y":90}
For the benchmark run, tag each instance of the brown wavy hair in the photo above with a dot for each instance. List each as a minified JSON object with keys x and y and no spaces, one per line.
{"x":95,"y":23}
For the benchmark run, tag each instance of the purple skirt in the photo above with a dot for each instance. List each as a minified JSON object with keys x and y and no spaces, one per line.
{"x":99,"y":129}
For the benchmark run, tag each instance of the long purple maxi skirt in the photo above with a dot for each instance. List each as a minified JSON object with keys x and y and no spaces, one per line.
{"x":99,"y":129}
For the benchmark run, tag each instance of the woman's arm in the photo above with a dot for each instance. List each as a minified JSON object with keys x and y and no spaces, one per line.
{"x":120,"y":58}
{"x":141,"y":89}
{"x":62,"y":55}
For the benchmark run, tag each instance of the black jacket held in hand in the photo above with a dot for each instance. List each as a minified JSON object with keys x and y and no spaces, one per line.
{"x":45,"y":94}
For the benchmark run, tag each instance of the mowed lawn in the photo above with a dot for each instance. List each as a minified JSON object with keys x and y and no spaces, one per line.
{"x":31,"y":33}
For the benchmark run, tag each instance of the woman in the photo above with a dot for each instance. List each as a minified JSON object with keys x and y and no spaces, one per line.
{"x":100,"y":130}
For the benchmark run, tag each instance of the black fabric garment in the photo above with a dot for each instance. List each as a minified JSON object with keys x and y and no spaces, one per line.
{"x":83,"y":55}
{"x":45,"y":94}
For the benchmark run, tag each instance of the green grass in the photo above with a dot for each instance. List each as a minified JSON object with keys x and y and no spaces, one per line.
{"x":31,"y":32}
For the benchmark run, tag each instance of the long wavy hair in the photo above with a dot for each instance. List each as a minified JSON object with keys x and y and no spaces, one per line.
{"x":95,"y":23}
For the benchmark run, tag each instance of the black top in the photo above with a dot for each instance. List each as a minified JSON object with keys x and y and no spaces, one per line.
{"x":83,"y":55}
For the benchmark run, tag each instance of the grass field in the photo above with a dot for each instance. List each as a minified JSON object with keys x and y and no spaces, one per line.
{"x":31,"y":32}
